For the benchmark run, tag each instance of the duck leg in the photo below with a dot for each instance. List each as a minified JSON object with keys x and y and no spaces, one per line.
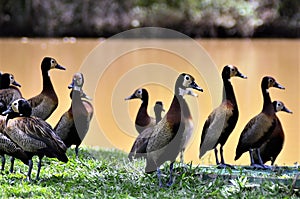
{"x":253,"y":164}
{"x":159,"y":177}
{"x":30,"y":164}
{"x":223,"y":164}
{"x":216,"y":155}
{"x":39,"y":168}
{"x":12,"y":162}
{"x":171,"y":175}
{"x":3,"y":162}
{"x":260,"y":160}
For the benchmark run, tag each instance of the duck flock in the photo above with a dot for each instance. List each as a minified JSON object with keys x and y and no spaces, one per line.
{"x":163,"y":139}
{"x":24,"y":132}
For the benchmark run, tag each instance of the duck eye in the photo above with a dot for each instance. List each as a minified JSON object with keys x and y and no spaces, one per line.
{"x":187,"y":78}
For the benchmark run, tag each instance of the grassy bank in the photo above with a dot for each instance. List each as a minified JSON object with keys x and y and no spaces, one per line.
{"x":108,"y":174}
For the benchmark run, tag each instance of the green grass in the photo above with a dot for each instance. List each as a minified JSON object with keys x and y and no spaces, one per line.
{"x":100,"y":173}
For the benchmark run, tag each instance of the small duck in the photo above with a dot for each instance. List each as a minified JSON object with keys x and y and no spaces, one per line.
{"x":273,"y":146}
{"x":33,"y":135}
{"x":139,"y":146}
{"x":8,"y":90}
{"x":74,"y":124}
{"x":168,"y":135}
{"x":143,"y":120}
{"x":44,"y":104}
{"x":221,"y":122}
{"x":259,"y":128}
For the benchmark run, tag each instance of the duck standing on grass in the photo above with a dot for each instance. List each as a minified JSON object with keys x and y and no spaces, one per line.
{"x":44,"y":104}
{"x":143,"y":120}
{"x":33,"y":135}
{"x":221,"y":122}
{"x":259,"y":129}
{"x":167,"y":136}
{"x":74,"y":124}
{"x":273,"y":146}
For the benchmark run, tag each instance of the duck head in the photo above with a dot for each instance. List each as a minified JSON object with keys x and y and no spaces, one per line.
{"x":231,"y":71}
{"x":140,"y":93}
{"x":158,"y":107}
{"x":268,"y":82}
{"x":77,"y":82}
{"x":7,"y":79}
{"x":49,"y":63}
{"x":185,"y":81}
{"x":19,"y":107}
{"x":279,"y":106}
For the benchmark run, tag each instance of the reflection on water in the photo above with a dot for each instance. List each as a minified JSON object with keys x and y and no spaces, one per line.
{"x":254,"y":58}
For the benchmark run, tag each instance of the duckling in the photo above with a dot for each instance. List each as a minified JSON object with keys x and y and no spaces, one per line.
{"x":260,"y":127}
{"x":139,"y":146}
{"x":44,"y":104}
{"x":8,"y":90}
{"x":272,"y":147}
{"x":74,"y":124}
{"x":167,"y":136}
{"x":143,"y":120}
{"x":221,"y":122}
{"x":33,"y":135}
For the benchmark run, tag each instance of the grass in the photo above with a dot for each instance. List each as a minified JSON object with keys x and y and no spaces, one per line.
{"x":108,"y":174}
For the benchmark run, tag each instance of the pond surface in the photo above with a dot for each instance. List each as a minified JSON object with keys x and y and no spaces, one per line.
{"x":113,"y":75}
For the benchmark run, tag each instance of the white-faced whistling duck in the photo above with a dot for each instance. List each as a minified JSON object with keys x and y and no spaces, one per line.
{"x":8,"y":90}
{"x":139,"y":146}
{"x":221,"y":122}
{"x":270,"y":149}
{"x":260,"y":127}
{"x":74,"y":124}
{"x":143,"y":120}
{"x":44,"y":104}
{"x":167,"y":136}
{"x":33,"y":135}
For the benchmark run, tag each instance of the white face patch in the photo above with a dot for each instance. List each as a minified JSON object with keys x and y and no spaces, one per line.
{"x":230,"y":66}
{"x":11,"y":79}
{"x":187,"y":81}
{"x":15,"y":106}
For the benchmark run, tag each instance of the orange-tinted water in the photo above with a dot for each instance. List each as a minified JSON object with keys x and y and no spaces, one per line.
{"x":156,"y":70}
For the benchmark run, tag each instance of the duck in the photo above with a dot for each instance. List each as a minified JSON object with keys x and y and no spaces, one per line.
{"x":270,"y":149}
{"x":139,"y":146}
{"x":45,"y":103}
{"x":33,"y":135}
{"x":8,"y":89}
{"x":74,"y":123}
{"x":167,"y":135}
{"x":223,"y":119}
{"x":143,"y":120}
{"x":259,"y":128}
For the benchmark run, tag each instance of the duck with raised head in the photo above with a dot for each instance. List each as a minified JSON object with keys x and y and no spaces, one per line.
{"x":139,"y":146}
{"x":8,"y":89}
{"x":259,"y":128}
{"x":167,"y":135}
{"x":221,"y":122}
{"x":143,"y":120}
{"x":74,"y":124}
{"x":33,"y":135}
{"x":44,"y":104}
{"x":273,"y":146}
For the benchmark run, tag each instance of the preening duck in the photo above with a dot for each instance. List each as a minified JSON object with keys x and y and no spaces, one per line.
{"x":167,"y":136}
{"x":33,"y":135}
{"x":143,"y":120}
{"x":259,"y":128}
{"x":221,"y":122}
{"x":139,"y":146}
{"x":273,"y":146}
{"x":74,"y":124}
{"x":8,"y":90}
{"x":44,"y":104}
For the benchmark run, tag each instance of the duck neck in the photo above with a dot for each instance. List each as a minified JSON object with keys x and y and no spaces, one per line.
{"x":47,"y":84}
{"x":267,"y":106}
{"x":174,"y":113}
{"x":142,"y":113}
{"x":228,"y":93}
{"x":157,"y":116}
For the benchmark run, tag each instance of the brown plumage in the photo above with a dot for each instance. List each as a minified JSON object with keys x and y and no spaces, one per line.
{"x":8,"y":90}
{"x":33,"y":135}
{"x":270,"y":149}
{"x":143,"y":120}
{"x":221,"y":122}
{"x":167,"y":136}
{"x":259,"y":128}
{"x":139,"y":146}
{"x":44,"y":104}
{"x":74,"y":124}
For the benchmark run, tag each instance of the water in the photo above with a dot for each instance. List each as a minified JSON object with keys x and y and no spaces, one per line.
{"x":111,"y":77}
